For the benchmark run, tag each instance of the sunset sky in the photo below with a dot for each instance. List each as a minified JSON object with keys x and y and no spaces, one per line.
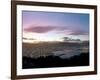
{"x":53,"y":26}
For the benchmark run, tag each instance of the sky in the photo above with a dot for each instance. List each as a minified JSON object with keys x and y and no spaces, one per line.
{"x":53,"y":26}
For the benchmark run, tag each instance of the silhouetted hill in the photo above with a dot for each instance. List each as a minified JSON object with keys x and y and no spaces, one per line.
{"x":55,"y":61}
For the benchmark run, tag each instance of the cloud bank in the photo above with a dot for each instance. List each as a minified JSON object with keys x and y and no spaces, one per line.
{"x":60,"y":30}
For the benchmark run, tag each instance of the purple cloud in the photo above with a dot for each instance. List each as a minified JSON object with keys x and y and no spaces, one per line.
{"x":40,"y":29}
{"x":72,"y":32}
{"x":60,"y":30}
{"x":78,"y":32}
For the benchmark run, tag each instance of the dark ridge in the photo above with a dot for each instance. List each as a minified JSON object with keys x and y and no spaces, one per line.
{"x":55,"y":61}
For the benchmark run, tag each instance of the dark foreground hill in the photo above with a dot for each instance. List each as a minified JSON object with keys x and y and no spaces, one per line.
{"x":55,"y":61}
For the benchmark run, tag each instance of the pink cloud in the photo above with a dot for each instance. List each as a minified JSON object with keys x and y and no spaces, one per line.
{"x":39,"y":29}
{"x":72,"y":32}
{"x":78,"y":32}
{"x":60,"y":30}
